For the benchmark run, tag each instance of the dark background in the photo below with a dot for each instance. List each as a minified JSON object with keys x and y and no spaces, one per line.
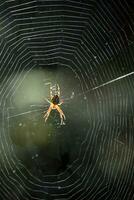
{"x":87,"y":47}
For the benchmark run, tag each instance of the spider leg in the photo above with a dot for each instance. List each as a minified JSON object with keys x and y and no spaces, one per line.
{"x":48,"y":113}
{"x":61,"y":102}
{"x":62,"y":116}
{"x":48,"y":100}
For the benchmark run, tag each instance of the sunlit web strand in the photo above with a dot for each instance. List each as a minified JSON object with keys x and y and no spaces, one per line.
{"x":24,"y":113}
{"x":99,"y":86}
{"x":107,"y":83}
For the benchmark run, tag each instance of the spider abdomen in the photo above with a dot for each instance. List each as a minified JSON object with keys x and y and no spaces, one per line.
{"x":55,"y":100}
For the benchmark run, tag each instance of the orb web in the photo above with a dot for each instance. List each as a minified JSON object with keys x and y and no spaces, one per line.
{"x":87,"y":48}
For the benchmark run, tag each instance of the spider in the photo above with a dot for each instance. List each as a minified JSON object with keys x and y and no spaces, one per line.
{"x":55,"y":103}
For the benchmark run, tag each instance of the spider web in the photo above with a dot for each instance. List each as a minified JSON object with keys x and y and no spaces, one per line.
{"x":87,"y":48}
